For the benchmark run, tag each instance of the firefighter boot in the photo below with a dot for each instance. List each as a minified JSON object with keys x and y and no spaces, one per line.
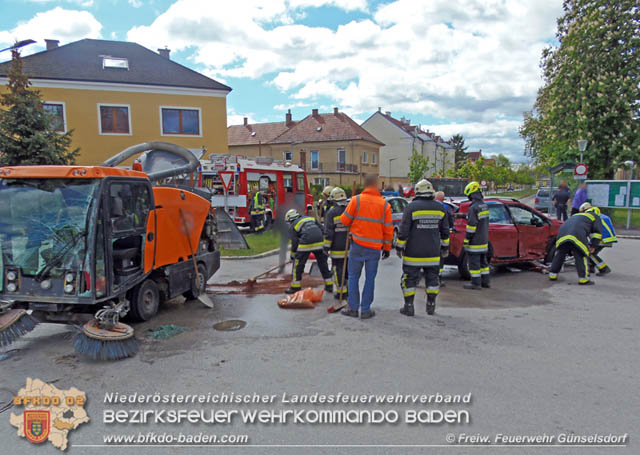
{"x":486,"y":280}
{"x":408,"y":309}
{"x":328,"y":288}
{"x":475,"y":285}
{"x":291,"y":290}
{"x":431,"y":304}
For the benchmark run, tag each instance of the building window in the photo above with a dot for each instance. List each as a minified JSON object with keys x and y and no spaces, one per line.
{"x":180,"y":121}
{"x":365,"y":157}
{"x":374,"y":159}
{"x":288,"y":156}
{"x":342,"y":159}
{"x":57,"y":116}
{"x":114,"y":119}
{"x":322,"y":181}
{"x":315,"y":159}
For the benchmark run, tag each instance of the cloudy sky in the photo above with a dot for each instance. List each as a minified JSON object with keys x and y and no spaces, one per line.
{"x":453,"y":66}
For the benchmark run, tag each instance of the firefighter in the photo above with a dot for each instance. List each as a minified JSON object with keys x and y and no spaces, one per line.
{"x":608,"y":239}
{"x":476,"y":241}
{"x":306,"y":238}
{"x":335,"y":240}
{"x":423,"y":239}
{"x":256,"y":209}
{"x":580,"y":236}
{"x":325,"y":204}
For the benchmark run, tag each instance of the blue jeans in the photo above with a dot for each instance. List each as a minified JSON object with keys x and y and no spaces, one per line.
{"x":361,"y":256}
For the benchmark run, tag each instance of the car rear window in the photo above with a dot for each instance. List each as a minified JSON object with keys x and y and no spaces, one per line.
{"x":543,"y":193}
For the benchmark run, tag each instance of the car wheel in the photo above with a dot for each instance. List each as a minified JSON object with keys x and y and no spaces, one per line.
{"x":463,"y":264}
{"x":144,"y":301}
{"x":195,"y":291}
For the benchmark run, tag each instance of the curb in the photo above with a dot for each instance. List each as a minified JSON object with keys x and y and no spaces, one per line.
{"x":631,"y":237}
{"x":255,"y":256}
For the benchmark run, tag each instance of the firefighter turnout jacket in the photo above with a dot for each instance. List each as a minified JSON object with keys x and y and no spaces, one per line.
{"x":306,"y":234}
{"x":335,"y":233}
{"x":578,"y":229}
{"x":369,"y":216}
{"x":608,"y":231}
{"x":257,"y":204}
{"x":423,"y":232}
{"x":325,"y":206}
{"x":477,"y":236}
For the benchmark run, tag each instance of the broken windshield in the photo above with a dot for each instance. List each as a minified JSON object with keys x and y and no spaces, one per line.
{"x":43,"y":224}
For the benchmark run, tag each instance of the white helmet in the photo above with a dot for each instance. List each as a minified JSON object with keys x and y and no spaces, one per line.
{"x":327,"y":190}
{"x":585,"y":206}
{"x":424,"y":188}
{"x":338,"y":194}
{"x":291,"y":215}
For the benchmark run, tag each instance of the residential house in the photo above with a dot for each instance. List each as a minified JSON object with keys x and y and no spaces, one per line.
{"x":331,"y":147}
{"x":401,"y":140}
{"x":115,"y":94}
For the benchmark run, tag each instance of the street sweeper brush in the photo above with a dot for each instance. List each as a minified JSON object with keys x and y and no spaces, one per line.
{"x":100,"y":343}
{"x":13,"y":324}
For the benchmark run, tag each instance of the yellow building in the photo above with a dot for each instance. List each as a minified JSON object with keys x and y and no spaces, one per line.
{"x":332,"y":148}
{"x":115,"y":94}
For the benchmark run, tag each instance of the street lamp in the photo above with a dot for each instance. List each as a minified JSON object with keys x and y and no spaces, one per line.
{"x":18,"y":44}
{"x":582,"y":146}
{"x":630,"y":164}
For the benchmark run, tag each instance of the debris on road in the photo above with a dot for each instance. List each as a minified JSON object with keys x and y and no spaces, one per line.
{"x":270,"y":284}
{"x":162,"y":332}
{"x":230,"y":325}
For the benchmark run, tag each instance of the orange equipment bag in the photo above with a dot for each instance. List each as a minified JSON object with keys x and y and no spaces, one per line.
{"x":306,"y":298}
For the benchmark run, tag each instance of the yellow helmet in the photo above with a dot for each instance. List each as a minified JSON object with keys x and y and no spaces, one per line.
{"x":585,"y":207}
{"x":338,"y":194}
{"x":595,"y":210}
{"x":327,"y":190}
{"x":424,"y":188}
{"x":471,"y":188}
{"x":291,"y":215}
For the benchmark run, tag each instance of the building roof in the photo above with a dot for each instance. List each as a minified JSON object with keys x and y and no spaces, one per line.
{"x":325,"y":128}
{"x":474,"y":156}
{"x":264,"y":133}
{"x":313,"y":128}
{"x":83,"y":61}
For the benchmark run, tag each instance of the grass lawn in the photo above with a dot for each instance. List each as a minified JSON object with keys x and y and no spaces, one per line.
{"x":520,"y":194}
{"x":257,"y":244}
{"x":619,"y":217}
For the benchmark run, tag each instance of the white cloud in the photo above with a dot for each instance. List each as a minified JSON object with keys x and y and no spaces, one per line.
{"x":59,"y":23}
{"x":474,"y":61}
{"x":135,"y":3}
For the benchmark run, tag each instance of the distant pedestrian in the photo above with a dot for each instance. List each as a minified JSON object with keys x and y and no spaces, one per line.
{"x":369,"y":217}
{"x":256,"y":209}
{"x":447,"y":209}
{"x":561,"y":200}
{"x":579,"y":198}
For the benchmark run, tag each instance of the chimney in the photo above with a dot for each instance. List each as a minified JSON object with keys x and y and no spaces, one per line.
{"x":288,"y":117}
{"x":314,"y":112}
{"x":166,"y":52}
{"x":379,"y":109}
{"x":52,"y":43}
{"x":388,"y":113}
{"x":335,"y":111}
{"x":402,"y":120}
{"x":246,"y":121}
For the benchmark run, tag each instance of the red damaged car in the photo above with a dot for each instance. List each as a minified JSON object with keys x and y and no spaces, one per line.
{"x":517,"y":234}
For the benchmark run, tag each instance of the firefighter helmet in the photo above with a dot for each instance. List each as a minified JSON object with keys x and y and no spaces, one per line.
{"x":338,"y":194}
{"x":291,"y":215}
{"x":471,"y":188}
{"x":595,"y":210}
{"x":585,"y":206}
{"x":424,"y":188}
{"x":327,"y":190}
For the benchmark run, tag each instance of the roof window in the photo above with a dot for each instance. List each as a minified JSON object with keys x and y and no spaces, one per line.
{"x":114,"y":62}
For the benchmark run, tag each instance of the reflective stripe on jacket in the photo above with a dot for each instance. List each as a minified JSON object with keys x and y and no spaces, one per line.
{"x":369,"y":217}
{"x":335,"y":233}
{"x":257,"y":204}
{"x":476,"y":239}
{"x":306,"y":234}
{"x":578,"y":229}
{"x":608,"y":231}
{"x":423,"y":231}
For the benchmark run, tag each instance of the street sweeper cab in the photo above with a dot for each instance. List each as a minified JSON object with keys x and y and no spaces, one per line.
{"x":102,"y":239}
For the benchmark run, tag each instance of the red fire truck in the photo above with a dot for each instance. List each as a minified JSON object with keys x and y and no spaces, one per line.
{"x":283,"y":184}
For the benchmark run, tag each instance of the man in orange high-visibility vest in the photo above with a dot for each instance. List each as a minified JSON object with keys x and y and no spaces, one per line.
{"x":368,"y":217}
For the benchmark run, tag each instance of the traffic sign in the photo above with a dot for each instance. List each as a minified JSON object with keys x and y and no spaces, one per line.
{"x":483,"y":183}
{"x":580,"y":169}
{"x":226,"y":177}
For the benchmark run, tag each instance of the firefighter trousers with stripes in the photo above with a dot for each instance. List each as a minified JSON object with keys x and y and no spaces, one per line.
{"x":596,"y":262}
{"x":337,"y":264}
{"x":558,"y":260}
{"x":300,"y":260}
{"x":411,"y":276}
{"x":479,"y":268}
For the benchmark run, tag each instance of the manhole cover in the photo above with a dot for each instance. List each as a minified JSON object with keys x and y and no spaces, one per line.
{"x":230,"y":325}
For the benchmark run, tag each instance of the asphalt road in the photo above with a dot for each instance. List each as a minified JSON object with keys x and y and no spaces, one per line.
{"x":537,"y":358}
